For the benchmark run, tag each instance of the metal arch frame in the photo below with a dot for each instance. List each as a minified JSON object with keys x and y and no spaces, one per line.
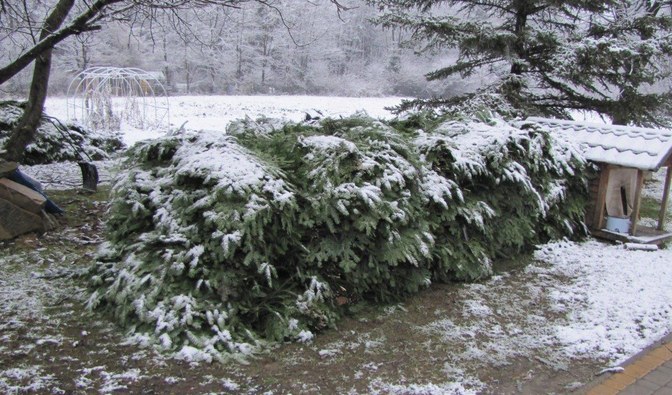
{"x":106,"y":83}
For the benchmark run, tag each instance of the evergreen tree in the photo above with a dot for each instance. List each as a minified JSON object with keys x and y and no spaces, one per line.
{"x":548,"y":56}
{"x":617,"y":62}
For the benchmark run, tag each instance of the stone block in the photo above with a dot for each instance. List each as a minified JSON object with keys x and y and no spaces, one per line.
{"x":15,"y":221}
{"x":22,"y":196}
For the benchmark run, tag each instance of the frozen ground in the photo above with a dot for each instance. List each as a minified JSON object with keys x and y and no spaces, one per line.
{"x":545,"y":326}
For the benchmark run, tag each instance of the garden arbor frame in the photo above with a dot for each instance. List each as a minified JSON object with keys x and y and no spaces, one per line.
{"x":614,"y":149}
{"x":104,"y":97}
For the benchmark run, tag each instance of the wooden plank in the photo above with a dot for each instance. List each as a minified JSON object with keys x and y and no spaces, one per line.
{"x":641,"y":247}
{"x":607,"y":235}
{"x":594,"y":186}
{"x":638,"y":202}
{"x":660,"y":239}
{"x":652,"y":238}
{"x":598,"y":215}
{"x":666,"y":197}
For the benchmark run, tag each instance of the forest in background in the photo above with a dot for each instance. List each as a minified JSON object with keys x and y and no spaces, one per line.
{"x":522,"y":58}
{"x":294,"y":48}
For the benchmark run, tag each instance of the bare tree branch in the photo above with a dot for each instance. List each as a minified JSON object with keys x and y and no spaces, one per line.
{"x":80,"y":24}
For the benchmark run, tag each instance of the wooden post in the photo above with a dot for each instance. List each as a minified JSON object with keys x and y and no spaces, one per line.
{"x":598,"y":216}
{"x":666,"y":197}
{"x":89,"y":176}
{"x":638,"y":202}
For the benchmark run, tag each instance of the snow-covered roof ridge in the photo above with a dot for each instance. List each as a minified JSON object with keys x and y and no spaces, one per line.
{"x":629,"y":146}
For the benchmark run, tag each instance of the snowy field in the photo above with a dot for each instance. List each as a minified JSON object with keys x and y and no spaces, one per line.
{"x":215,"y":112}
{"x":549,"y":326}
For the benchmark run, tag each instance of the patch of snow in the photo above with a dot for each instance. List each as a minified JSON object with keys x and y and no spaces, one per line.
{"x":192,"y":354}
{"x":617,"y":369}
{"x":465,"y":387}
{"x":230,"y":385}
{"x":618,"y":301}
{"x":173,"y":380}
{"x":328,"y":353}
{"x":389,"y":310}
{"x":476,"y":308}
{"x":26,"y":379}
{"x":115,"y":381}
{"x":574,"y":386}
{"x":588,"y":300}
{"x":305,"y":336}
{"x":371,"y":345}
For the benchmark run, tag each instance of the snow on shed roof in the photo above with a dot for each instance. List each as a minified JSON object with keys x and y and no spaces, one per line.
{"x":641,"y":148}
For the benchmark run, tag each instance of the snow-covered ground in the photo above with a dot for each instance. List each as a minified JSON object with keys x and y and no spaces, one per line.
{"x":574,"y":302}
{"x":617,"y":303}
{"x":208,"y":113}
{"x":215,"y":112}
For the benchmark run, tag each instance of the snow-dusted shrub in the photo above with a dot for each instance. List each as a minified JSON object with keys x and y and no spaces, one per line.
{"x":201,"y":249}
{"x":358,"y":184}
{"x":56,"y":141}
{"x":497,"y":191}
{"x":220,"y":242}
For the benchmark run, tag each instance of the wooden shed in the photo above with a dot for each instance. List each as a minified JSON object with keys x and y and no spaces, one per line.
{"x":624,"y":155}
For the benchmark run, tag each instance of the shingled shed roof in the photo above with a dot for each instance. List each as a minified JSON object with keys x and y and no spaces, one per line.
{"x":640,"y":148}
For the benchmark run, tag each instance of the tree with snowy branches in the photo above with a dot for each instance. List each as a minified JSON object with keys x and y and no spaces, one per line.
{"x":549,"y":57}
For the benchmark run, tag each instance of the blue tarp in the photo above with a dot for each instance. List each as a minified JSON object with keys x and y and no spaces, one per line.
{"x":18,"y":177}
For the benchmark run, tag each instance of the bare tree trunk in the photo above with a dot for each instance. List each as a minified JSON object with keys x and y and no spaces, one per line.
{"x":522,"y":14}
{"x":166,"y":69}
{"x":24,"y":132}
{"x":187,"y":69}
